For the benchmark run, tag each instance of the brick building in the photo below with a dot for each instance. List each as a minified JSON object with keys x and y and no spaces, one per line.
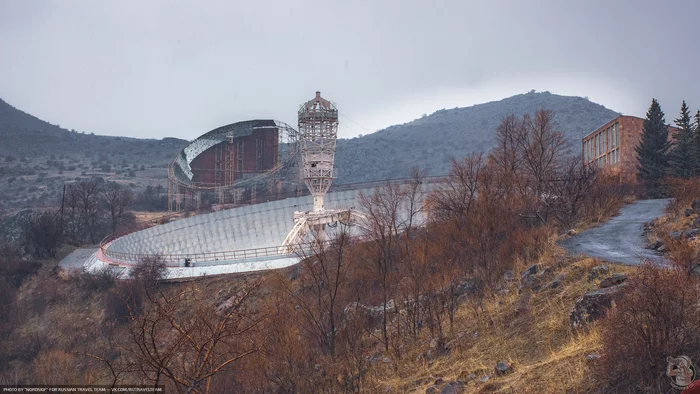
{"x":612,"y":146}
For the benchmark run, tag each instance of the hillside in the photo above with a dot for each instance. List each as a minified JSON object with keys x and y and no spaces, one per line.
{"x":430,"y":142}
{"x":37,"y":157}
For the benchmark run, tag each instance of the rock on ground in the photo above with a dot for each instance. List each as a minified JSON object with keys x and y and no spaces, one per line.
{"x":592,"y":306}
{"x":597,"y":271}
{"x":503,"y":368}
{"x":613,"y":280}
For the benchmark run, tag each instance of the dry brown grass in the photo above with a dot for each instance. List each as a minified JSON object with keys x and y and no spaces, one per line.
{"x":530,"y":330}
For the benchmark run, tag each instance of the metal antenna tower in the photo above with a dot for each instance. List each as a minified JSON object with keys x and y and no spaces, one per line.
{"x":318,"y":131}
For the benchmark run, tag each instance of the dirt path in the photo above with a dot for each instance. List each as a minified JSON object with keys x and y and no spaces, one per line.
{"x":620,"y":239}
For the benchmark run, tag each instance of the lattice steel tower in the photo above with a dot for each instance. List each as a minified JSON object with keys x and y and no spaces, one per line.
{"x":318,"y":131}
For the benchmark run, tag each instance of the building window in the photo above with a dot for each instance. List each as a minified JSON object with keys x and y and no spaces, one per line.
{"x":612,"y":137}
{"x":260,"y":154}
{"x":604,"y":144}
{"x":241,"y":149}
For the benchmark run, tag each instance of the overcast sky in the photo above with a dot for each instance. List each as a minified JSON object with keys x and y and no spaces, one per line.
{"x":147,"y":68}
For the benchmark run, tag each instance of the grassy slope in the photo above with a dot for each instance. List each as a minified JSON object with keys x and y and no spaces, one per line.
{"x":530,"y":330}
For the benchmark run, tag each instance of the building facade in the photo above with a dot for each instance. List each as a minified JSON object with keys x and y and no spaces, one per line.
{"x":612,"y":146}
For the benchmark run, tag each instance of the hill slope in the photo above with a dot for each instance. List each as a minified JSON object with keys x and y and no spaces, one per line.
{"x":431,"y":141}
{"x":37,"y":158}
{"x":22,"y":134}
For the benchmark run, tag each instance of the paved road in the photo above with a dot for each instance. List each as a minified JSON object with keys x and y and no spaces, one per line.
{"x":620,"y":239}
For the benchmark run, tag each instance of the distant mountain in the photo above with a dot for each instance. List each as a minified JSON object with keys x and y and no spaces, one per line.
{"x":22,"y":134}
{"x":430,"y":142}
{"x":37,"y":158}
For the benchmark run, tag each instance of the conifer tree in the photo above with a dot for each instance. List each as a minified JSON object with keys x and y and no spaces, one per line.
{"x":683,"y":157}
{"x":652,"y":151}
{"x":697,"y":143}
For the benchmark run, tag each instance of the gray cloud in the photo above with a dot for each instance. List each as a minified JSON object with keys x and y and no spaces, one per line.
{"x":180,"y":68}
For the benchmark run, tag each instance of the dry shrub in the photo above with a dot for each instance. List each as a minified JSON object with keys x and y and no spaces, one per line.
{"x":605,"y":197}
{"x":101,"y":280}
{"x":150,"y":270}
{"x":124,"y":302}
{"x":682,"y":253}
{"x":8,"y":296}
{"x":13,"y":268}
{"x":684,"y":191}
{"x":55,"y":367}
{"x":658,"y":317}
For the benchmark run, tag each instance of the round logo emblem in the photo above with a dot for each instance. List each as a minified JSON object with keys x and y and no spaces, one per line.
{"x":681,"y":371}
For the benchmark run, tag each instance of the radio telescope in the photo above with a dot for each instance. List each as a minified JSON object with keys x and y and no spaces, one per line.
{"x":318,"y":131}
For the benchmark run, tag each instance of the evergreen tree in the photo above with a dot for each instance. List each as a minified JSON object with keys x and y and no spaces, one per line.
{"x":682,"y":158}
{"x":652,"y":151}
{"x":697,"y":143}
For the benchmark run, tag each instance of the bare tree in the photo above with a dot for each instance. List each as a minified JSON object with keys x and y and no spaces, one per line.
{"x":187,"y":341}
{"x":323,"y":280}
{"x":543,"y":152}
{"x":84,"y":210}
{"x":383,"y":210}
{"x":117,"y":200}
{"x":456,"y":198}
{"x":570,"y":191}
{"x":42,"y":235}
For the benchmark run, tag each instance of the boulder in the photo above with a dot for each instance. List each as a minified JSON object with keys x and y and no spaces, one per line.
{"x":503,"y":368}
{"x":508,"y":276}
{"x":453,"y":388}
{"x":592,"y":357}
{"x":571,"y":232}
{"x":691,"y":234}
{"x":531,"y":270}
{"x":529,"y":281}
{"x":432,"y":390}
{"x":613,"y":280}
{"x":484,"y":379}
{"x":689,"y":211}
{"x":695,"y":205}
{"x":592,"y":306}
{"x":558,"y":281}
{"x":466,"y":376}
{"x":597,"y":271}
{"x":656,"y":244}
{"x":696,"y":222}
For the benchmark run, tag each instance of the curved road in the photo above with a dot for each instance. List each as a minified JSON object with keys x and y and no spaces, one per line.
{"x":620,"y":239}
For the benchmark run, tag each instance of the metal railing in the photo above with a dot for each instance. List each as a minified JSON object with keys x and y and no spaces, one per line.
{"x":178,"y":260}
